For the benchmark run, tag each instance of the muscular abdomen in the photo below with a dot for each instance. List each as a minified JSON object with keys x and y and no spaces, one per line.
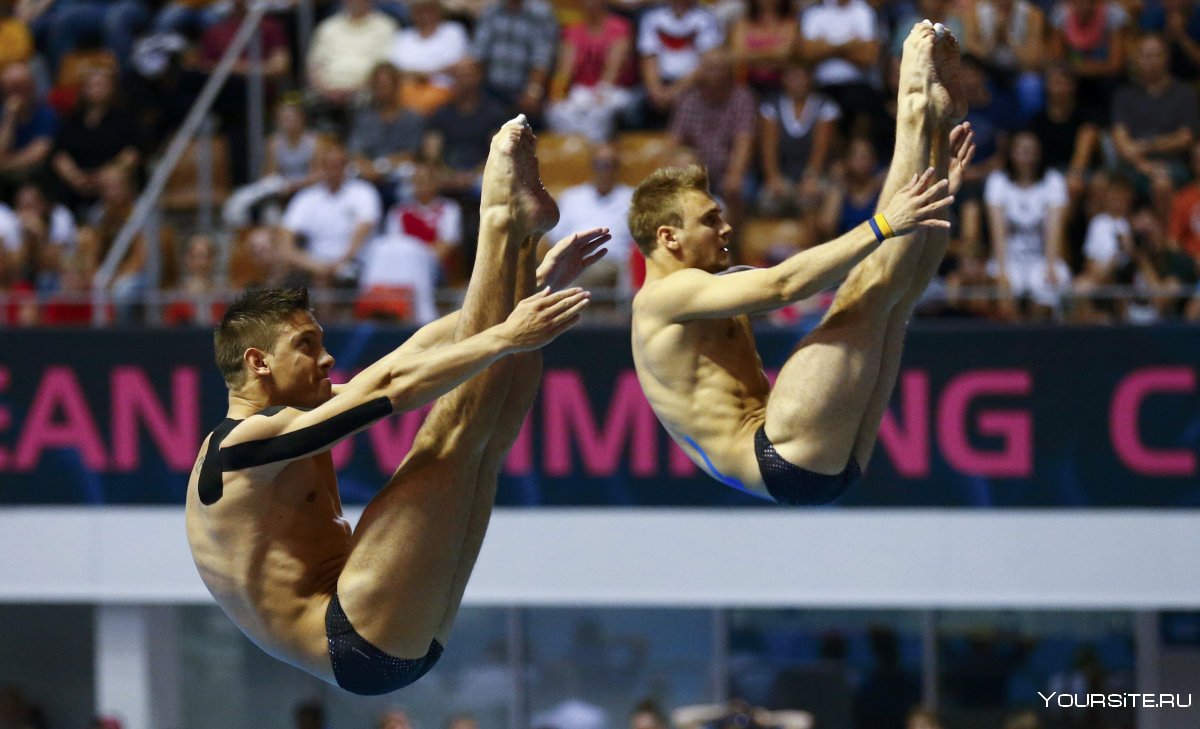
{"x":705,"y":382}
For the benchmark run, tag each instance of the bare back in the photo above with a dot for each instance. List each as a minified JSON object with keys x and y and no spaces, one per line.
{"x":705,"y":381}
{"x":270,"y":551}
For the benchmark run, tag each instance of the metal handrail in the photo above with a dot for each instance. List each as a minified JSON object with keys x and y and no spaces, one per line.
{"x":449,"y":299}
{"x":162,"y":172}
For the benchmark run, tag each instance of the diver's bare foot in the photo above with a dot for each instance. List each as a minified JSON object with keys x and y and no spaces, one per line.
{"x":948,"y":103}
{"x":916,"y":62}
{"x":536,"y":211}
{"x":500,"y":170}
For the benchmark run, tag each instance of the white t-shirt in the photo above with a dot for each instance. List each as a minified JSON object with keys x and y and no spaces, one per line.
{"x":63,"y":231}
{"x":817,"y":108}
{"x":328,"y":219}
{"x":678,"y":41}
{"x":1103,"y":244}
{"x":442,"y":216}
{"x":834,"y":23}
{"x":344,"y":51}
{"x":582,"y":208}
{"x":448,"y":45}
{"x":403,"y":262}
{"x":1026,"y":210}
{"x":10,"y":228}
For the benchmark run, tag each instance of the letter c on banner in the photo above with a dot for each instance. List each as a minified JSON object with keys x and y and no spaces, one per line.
{"x":1123,"y":421}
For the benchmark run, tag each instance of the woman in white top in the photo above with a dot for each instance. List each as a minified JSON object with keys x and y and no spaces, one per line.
{"x":1026,"y":204}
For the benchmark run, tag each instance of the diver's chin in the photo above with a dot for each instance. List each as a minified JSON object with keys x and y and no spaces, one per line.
{"x":323,"y":392}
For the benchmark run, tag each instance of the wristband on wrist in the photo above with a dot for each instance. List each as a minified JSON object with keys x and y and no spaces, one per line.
{"x":879,"y":225}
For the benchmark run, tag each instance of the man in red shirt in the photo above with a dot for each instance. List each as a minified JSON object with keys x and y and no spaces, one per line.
{"x":230,"y":104}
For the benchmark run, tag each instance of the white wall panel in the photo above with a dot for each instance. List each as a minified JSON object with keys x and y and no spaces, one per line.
{"x":911,"y":558}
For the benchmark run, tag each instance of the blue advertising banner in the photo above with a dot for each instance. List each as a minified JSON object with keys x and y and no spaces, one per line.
{"x":982,"y":417}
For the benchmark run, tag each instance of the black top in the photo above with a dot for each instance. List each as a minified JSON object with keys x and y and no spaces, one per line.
{"x":95,"y":146}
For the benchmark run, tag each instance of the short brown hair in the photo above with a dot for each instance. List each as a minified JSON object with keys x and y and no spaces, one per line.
{"x":253,"y":321}
{"x":658,"y":201}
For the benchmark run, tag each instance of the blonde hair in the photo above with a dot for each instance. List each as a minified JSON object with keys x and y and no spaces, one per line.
{"x":658,"y":201}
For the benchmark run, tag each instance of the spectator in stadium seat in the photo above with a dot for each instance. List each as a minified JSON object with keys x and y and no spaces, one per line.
{"x":399,"y":278}
{"x":515,"y":42}
{"x":852,"y":197}
{"x":276,"y":60}
{"x":672,"y":39}
{"x":840,"y":38}
{"x":35,"y":208}
{"x":290,"y":165}
{"x":797,"y":131}
{"x":384,"y":136}
{"x":292,"y":147}
{"x":459,"y":133}
{"x":601,"y":202}
{"x":1161,"y":267}
{"x":1108,"y":251}
{"x":1026,"y":210}
{"x":431,"y":220}
{"x":193,"y":299}
{"x":230,"y":104}
{"x":39,"y":237}
{"x":593,"y":79}
{"x":336,"y":216}
{"x":116,"y":22}
{"x":1178,"y":21}
{"x":99,"y":132}
{"x":1008,"y":35}
{"x":27,"y":125}
{"x":258,"y":260}
{"x":425,"y":54}
{"x":345,"y":47}
{"x":717,"y":118}
{"x":762,"y":42}
{"x":993,"y":119}
{"x":1070,"y":140}
{"x":1089,"y":36}
{"x":1154,"y":123}
{"x":131,"y":281}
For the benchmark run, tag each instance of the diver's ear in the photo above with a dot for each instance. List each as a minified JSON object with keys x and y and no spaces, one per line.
{"x":668,"y":237}
{"x":256,"y":360}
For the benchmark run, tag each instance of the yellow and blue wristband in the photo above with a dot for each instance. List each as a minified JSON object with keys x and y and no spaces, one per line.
{"x":879,"y":225}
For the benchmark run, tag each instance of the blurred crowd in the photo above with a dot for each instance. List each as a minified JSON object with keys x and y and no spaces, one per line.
{"x":1083,"y":203}
{"x":887,"y":698}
